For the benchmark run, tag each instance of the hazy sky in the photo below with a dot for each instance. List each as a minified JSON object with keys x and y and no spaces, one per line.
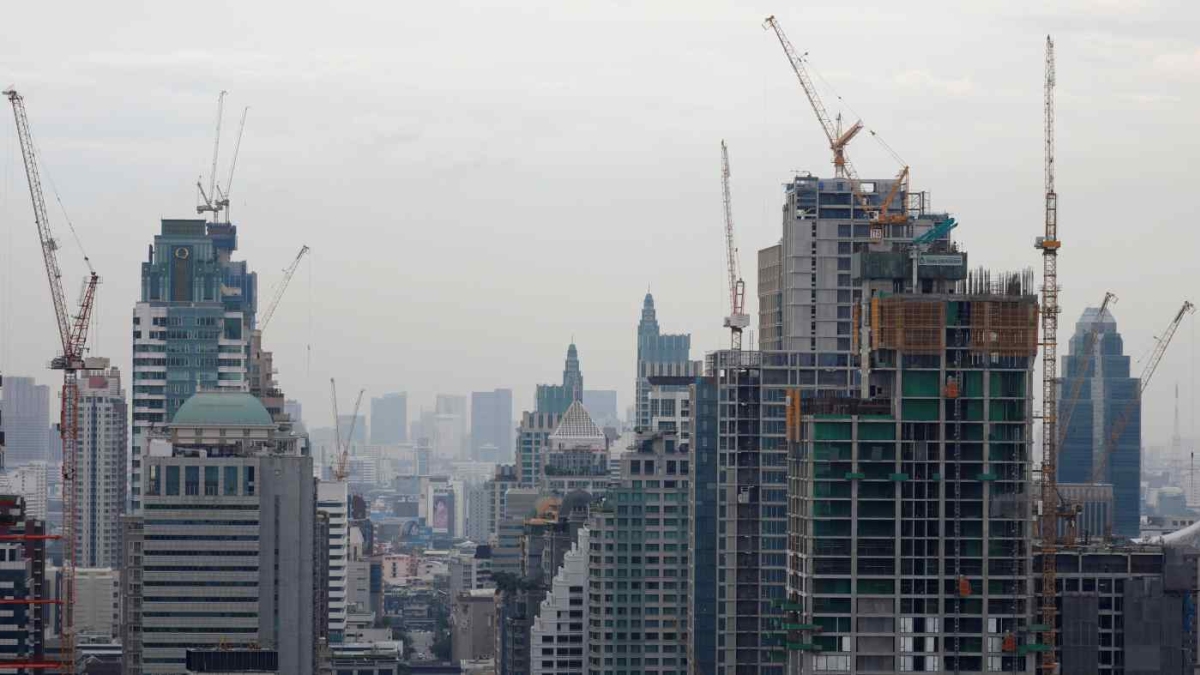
{"x":481,"y":181}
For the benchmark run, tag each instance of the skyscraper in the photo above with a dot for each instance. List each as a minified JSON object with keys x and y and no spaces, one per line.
{"x":192,"y":326}
{"x":654,"y":348}
{"x":226,"y":556}
{"x":492,"y":425}
{"x":389,"y":419}
{"x":100,"y":487}
{"x":1106,"y":392}
{"x":26,"y":420}
{"x":552,"y":401}
{"x":555,"y":399}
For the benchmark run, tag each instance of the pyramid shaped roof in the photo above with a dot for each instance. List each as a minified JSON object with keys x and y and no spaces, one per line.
{"x":577,"y":426}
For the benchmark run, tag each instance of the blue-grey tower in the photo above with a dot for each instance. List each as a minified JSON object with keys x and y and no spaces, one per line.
{"x":655,"y":347}
{"x":192,"y":326}
{"x":1107,"y":390}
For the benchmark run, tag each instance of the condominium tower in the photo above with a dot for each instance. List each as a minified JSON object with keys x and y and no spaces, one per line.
{"x":101,"y":485}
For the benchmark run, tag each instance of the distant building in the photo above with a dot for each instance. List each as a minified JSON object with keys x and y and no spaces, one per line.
{"x":191,"y":327}
{"x":30,"y":481}
{"x":554,"y":398}
{"x":25,"y":421}
{"x":353,"y":429}
{"x":389,"y":419}
{"x":575,"y":456}
{"x":229,"y":499}
{"x":295,"y":412}
{"x":473,"y":625}
{"x":101,"y":468}
{"x":497,"y":491}
{"x":601,"y":404}
{"x":654,"y":347}
{"x":1106,"y":393}
{"x":492,"y":425}
{"x":532,"y":433}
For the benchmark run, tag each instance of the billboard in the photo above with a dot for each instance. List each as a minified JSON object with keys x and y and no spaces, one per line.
{"x":442,"y":517}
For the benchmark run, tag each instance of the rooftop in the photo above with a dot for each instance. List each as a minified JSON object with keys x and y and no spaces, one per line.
{"x":222,"y":409}
{"x":577,"y":424}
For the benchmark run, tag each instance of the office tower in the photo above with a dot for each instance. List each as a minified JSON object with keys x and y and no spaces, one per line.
{"x":389,"y":419}
{"x":575,"y":456}
{"x":518,"y":504}
{"x":601,"y":404}
{"x":492,"y":425}
{"x":563,"y":617}
{"x":191,"y":328}
{"x":26,"y":421}
{"x":554,"y":399}
{"x":496,"y":489}
{"x":654,"y":347}
{"x":910,"y":506}
{"x":532,"y":435}
{"x":225,"y":554}
{"x":23,"y":587}
{"x":1106,"y":391}
{"x":806,"y":289}
{"x":450,"y":426}
{"x":637,"y":581}
{"x":101,"y":466}
{"x":333,"y":501}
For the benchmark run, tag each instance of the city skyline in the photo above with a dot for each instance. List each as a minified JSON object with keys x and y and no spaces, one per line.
{"x":687,"y":277}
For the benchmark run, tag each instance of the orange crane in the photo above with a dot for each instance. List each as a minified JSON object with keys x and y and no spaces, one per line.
{"x":1052,"y":510}
{"x":1118,"y":428}
{"x":737,"y":319}
{"x":341,"y":470}
{"x":73,"y":334}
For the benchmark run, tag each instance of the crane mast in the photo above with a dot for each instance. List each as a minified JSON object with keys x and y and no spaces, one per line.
{"x":737,"y":319}
{"x":283,"y":284}
{"x":73,"y":334}
{"x":1049,"y":245}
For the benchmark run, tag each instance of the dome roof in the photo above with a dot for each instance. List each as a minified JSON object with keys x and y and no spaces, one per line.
{"x":223,"y":409}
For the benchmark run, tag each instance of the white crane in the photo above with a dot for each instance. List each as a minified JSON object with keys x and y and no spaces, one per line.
{"x":737,"y":319}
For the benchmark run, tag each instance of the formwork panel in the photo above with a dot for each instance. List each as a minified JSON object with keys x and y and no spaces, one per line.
{"x":908,"y":326}
{"x":1004,"y":327}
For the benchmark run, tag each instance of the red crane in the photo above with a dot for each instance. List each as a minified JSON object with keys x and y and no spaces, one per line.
{"x":73,"y":333}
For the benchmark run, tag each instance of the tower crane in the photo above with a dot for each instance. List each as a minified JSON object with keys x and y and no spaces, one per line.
{"x":1052,"y":509}
{"x":1118,"y":428}
{"x":341,"y":471}
{"x":737,"y":319}
{"x":283,"y":284}
{"x":838,"y":140}
{"x":73,"y":334}
{"x":215,"y":199}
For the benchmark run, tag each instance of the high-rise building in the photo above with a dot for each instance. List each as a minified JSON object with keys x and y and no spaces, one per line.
{"x":225,"y":556}
{"x":554,"y":399}
{"x":640,"y":581}
{"x":23,"y":588}
{"x":32,"y":482}
{"x":26,"y":421}
{"x":100,"y":488}
{"x":532,"y":435}
{"x":909,"y":506}
{"x":191,"y":328}
{"x":97,"y":602}
{"x":562,"y":617}
{"x":389,"y":419}
{"x":575,"y":456}
{"x":654,"y":347}
{"x":1106,"y":392}
{"x":333,"y":501}
{"x":492,"y":426}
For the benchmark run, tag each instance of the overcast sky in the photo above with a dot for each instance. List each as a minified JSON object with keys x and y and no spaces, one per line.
{"x":481,"y":181}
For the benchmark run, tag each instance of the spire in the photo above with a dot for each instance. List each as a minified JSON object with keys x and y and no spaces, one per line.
{"x":572,"y":377}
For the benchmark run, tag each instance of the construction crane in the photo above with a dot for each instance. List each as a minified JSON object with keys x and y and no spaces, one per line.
{"x":1118,"y":428}
{"x":341,"y":470}
{"x":1051,"y":505}
{"x":283,"y":284}
{"x":737,"y":319}
{"x":73,"y":334}
{"x":839,"y":139}
{"x":215,"y":199}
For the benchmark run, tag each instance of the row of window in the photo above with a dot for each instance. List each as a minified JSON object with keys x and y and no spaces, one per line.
{"x":213,"y":484}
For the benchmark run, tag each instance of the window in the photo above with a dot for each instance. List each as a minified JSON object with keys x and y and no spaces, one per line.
{"x":191,"y":480}
{"x":231,"y":480}
{"x":154,"y":488}
{"x":249,"y":480}
{"x":211,"y":478}
{"x":172,"y":480}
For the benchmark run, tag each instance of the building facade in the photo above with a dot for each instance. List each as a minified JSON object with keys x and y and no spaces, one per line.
{"x":575,"y":456}
{"x":333,"y":500}
{"x":191,"y":328}
{"x":225,"y":549}
{"x":389,"y":419}
{"x":558,"y":636}
{"x":492,"y":425}
{"x":637,"y":590}
{"x":1106,"y":394}
{"x":23,"y":587}
{"x":100,"y":491}
{"x":654,"y":347}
